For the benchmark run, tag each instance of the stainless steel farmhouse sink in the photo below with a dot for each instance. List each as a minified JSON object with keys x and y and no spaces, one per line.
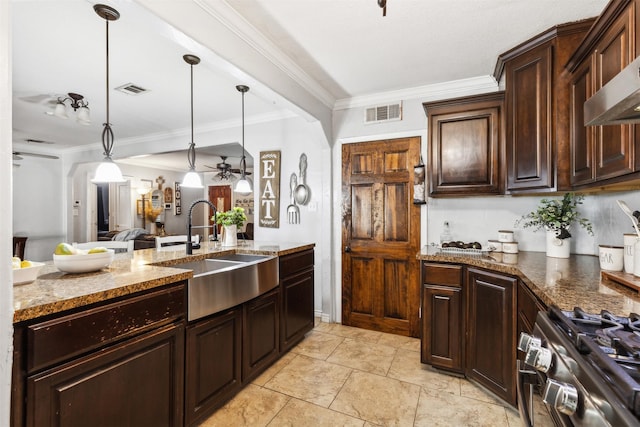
{"x":226,"y":281}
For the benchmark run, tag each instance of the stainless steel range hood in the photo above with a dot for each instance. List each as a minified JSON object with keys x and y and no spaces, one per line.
{"x":618,"y":101}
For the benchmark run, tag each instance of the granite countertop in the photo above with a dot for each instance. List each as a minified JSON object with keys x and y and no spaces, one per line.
{"x":54,"y":291}
{"x":567,"y":283}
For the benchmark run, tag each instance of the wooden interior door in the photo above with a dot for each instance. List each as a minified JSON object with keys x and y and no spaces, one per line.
{"x":380,"y":236}
{"x":220,"y":196}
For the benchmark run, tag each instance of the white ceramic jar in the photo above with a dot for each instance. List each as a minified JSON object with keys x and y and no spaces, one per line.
{"x":510,"y":247}
{"x":505,"y":236}
{"x":495,"y":245}
{"x":630,"y":240}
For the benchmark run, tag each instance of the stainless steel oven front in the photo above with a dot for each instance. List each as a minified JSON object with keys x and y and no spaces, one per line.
{"x":559,"y":371}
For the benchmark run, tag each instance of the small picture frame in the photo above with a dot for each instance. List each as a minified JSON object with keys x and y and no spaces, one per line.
{"x":419,"y":195}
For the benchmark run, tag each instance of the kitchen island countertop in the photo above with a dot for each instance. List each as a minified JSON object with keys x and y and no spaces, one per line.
{"x":567,"y":283}
{"x":54,"y":291}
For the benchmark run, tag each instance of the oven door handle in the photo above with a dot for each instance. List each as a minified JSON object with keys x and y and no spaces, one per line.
{"x":525,"y":377}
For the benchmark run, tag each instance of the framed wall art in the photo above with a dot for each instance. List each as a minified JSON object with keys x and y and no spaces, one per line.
{"x":269,"y":201}
{"x":177,"y":204}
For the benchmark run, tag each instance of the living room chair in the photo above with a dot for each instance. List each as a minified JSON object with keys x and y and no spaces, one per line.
{"x":117,"y":245}
{"x":19,"y":244}
{"x":171,"y":243}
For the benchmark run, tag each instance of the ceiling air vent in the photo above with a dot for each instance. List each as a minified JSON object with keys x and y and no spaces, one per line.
{"x":132,"y":89}
{"x":383,"y":113}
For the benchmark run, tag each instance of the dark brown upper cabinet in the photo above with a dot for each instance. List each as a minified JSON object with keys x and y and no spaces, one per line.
{"x":602,"y":154}
{"x":465,"y":144}
{"x":537,"y":109}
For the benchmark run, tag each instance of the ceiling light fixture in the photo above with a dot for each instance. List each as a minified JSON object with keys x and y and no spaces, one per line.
{"x":77,"y":103}
{"x":192,"y":179}
{"x":107,"y":171}
{"x":243,"y":187}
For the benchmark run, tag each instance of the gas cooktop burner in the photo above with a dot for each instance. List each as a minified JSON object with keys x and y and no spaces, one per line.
{"x":617,"y":336}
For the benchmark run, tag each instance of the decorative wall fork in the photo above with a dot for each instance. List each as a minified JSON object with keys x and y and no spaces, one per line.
{"x":293,"y":212}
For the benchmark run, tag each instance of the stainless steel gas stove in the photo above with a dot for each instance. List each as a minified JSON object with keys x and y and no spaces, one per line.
{"x":586,"y":366}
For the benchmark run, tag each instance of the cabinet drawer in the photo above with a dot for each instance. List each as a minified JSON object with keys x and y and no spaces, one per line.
{"x":442,"y":274}
{"x":64,"y":337}
{"x":290,"y":264}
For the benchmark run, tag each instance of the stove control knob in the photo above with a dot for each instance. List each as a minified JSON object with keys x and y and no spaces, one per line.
{"x":562,"y":396}
{"x":539,"y":358}
{"x":527,"y":341}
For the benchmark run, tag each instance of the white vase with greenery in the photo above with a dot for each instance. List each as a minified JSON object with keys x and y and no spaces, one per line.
{"x":231,"y":221}
{"x":556,"y":217}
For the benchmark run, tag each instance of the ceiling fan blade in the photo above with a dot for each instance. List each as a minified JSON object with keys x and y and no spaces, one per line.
{"x":239,"y":171}
{"x":44,"y":156}
{"x":38,"y":141}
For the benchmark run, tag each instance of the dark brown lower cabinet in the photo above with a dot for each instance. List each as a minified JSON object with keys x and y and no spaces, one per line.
{"x":135,"y":383}
{"x":491,"y":342}
{"x":213,"y":367}
{"x":261,"y":336}
{"x":296,"y":285}
{"x":442,"y":325}
{"x":118,"y":363}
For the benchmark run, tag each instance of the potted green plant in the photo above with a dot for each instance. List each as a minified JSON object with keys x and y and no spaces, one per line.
{"x":556,"y":216}
{"x":231,"y":221}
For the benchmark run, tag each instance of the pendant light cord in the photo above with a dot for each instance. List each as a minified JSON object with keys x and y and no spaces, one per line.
{"x":191,"y":152}
{"x":107,"y":133}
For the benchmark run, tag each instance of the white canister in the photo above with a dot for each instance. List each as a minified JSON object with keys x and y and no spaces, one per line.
{"x":505,"y":236}
{"x":510,"y":247}
{"x":611,"y":257}
{"x":510,"y":258}
{"x":629,"y":249}
{"x":636,"y":260}
{"x":495,"y":245}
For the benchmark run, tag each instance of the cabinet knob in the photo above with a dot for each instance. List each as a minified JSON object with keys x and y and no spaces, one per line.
{"x":347,"y":249}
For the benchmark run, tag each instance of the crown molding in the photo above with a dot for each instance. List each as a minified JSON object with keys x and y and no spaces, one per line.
{"x":435,"y":91}
{"x":234,"y":22}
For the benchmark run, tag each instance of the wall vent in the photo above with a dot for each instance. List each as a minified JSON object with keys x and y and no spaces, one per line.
{"x":132,"y":89}
{"x":383,"y":113}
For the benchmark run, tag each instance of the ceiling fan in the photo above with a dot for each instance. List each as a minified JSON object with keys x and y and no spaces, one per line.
{"x":17,"y":155}
{"x":225,"y":171}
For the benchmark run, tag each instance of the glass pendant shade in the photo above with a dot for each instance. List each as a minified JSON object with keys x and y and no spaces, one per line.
{"x":192,"y":180}
{"x":83,"y":116}
{"x":60,"y":111}
{"x":108,"y":171}
{"x":243,"y":187}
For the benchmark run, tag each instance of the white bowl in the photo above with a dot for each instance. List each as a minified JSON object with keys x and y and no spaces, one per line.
{"x":83,"y":263}
{"x":27,"y":274}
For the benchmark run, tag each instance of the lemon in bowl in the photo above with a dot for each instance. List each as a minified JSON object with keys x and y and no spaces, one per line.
{"x":25,"y":271}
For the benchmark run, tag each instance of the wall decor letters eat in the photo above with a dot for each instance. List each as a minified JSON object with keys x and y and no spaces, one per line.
{"x":269,"y":212}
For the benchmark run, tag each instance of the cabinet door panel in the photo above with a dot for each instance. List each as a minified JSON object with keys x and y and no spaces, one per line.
{"x":491,"y":343}
{"x":261,"y":336}
{"x":582,"y":137}
{"x":464,"y":145}
{"x":529,"y":145}
{"x":614,"y":150}
{"x":137,"y":383}
{"x":442,"y":327}
{"x":213,"y":363}
{"x":297,"y":308}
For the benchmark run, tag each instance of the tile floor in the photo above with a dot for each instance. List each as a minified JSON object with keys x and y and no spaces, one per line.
{"x":344,"y":376}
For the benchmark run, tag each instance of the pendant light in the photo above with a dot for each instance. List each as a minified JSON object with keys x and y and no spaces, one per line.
{"x":243,"y":187}
{"x":192,"y":179}
{"x":107,"y":171}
